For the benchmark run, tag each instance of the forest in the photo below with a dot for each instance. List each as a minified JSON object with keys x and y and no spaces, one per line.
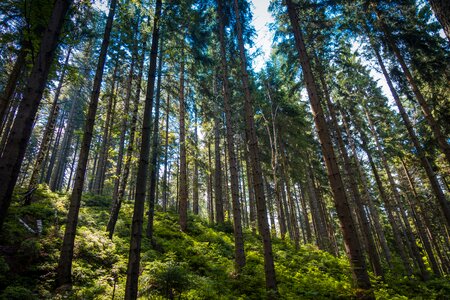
{"x":144,"y":156}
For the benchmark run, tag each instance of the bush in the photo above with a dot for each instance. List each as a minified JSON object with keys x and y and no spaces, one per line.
{"x":17,"y":293}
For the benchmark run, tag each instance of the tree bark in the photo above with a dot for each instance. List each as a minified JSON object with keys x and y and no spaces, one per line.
{"x":154,"y":169}
{"x":64,"y":269}
{"x":348,"y":227}
{"x":12,"y":157}
{"x":218,"y":193}
{"x":232,"y":159}
{"x":48,"y":132}
{"x":441,"y":9}
{"x":445,"y":206}
{"x":269,"y":268}
{"x":183,"y":194}
{"x":131,"y":287}
{"x":435,"y":128}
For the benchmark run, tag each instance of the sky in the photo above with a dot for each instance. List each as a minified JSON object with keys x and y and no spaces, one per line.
{"x":263,"y":40}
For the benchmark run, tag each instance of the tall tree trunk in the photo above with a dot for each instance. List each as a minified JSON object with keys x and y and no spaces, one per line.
{"x":11,"y":85}
{"x":103,"y":155}
{"x":435,"y":128}
{"x":218,"y":194}
{"x":48,"y":132}
{"x":445,"y":206}
{"x":131,"y":287}
{"x":154,"y":166}
{"x":8,"y":123}
{"x":209,"y":190}
{"x":363,"y":218}
{"x":118,"y":192}
{"x":195,"y":183}
{"x":12,"y":157}
{"x":54,"y":177}
{"x":232,"y":158}
{"x":55,"y":153}
{"x":305,"y":214}
{"x":409,"y":234}
{"x":64,"y":269}
{"x":420,"y":226}
{"x":183,"y":195}
{"x":441,"y":9}
{"x":388,"y":206}
{"x":166,"y":148}
{"x":348,"y":227}
{"x":258,"y":184}
{"x":373,"y":211}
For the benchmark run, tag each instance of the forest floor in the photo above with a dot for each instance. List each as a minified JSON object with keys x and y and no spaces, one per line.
{"x":197,"y":264}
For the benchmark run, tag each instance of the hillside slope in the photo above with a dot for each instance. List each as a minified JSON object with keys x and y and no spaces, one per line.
{"x":193,"y":265}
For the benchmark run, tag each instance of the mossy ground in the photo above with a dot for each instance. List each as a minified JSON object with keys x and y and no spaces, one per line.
{"x":197,"y":264}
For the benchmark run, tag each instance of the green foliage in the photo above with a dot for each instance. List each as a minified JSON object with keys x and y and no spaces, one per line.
{"x":197,"y":264}
{"x":17,"y":293}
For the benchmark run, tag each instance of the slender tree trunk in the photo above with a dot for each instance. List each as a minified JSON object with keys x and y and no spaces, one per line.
{"x":409,"y":234}
{"x":64,"y":269}
{"x":305,"y":215}
{"x":130,"y":149}
{"x":218,"y":195}
{"x":441,"y":9}
{"x":118,"y":192}
{"x":154,"y":169}
{"x":195,"y":183}
{"x":11,"y":85}
{"x":419,"y":225}
{"x":252,"y":141}
{"x":373,"y":211}
{"x":363,"y":218}
{"x":131,"y":287}
{"x":183,"y":195}
{"x":103,"y":155}
{"x":251,"y":191}
{"x":8,"y":123}
{"x":348,"y":227}
{"x":166,"y":148}
{"x":388,"y":206}
{"x":445,"y":206}
{"x":49,"y":129}
{"x":12,"y":157}
{"x":232,"y":158}
{"x":435,"y":128}
{"x":210,"y":186}
{"x":54,"y":177}
{"x":72,"y":166}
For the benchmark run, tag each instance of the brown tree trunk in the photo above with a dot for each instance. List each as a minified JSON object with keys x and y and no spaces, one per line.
{"x":252,"y":141}
{"x":362,"y":216}
{"x":218,"y":194}
{"x":48,"y":132}
{"x":348,"y":227}
{"x":64,"y":269}
{"x":133,"y":269}
{"x":15,"y":147}
{"x":435,"y":128}
{"x":441,"y":9}
{"x":103,"y":155}
{"x":209,"y":190}
{"x":166,"y":148}
{"x":154,"y":166}
{"x":445,"y":206}
{"x":11,"y":85}
{"x":397,"y":201}
{"x":183,"y":194}
{"x":232,"y":158}
{"x":195,"y":183}
{"x":118,"y":191}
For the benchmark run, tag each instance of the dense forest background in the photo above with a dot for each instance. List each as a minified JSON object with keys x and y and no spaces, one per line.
{"x":141,"y":156}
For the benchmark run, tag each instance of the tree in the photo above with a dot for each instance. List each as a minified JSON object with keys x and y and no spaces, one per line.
{"x":64,"y":269}
{"x":12,"y":157}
